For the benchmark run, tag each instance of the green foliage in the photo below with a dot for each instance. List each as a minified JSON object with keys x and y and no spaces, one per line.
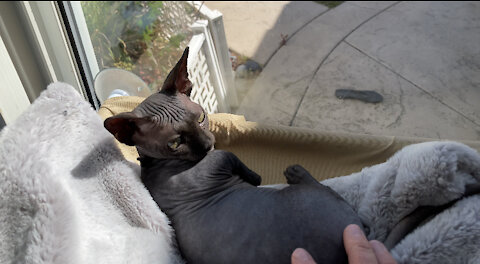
{"x":121,"y":31}
{"x":176,"y":40}
{"x":133,"y":35}
{"x":123,"y":65}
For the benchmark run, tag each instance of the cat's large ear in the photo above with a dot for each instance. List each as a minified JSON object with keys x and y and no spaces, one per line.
{"x":177,"y":80}
{"x":124,"y":126}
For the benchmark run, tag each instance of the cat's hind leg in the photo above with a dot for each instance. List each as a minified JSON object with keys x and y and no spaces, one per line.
{"x":296,"y":174}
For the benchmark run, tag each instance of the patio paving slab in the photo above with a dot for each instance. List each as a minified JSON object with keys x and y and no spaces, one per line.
{"x":435,"y":45}
{"x":278,"y":91}
{"x":405,"y":111}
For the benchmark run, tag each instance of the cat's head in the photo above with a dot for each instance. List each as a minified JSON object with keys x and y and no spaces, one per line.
{"x":167,"y":124}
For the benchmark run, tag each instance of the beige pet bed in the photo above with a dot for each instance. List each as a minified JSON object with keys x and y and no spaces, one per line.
{"x":268,"y":150}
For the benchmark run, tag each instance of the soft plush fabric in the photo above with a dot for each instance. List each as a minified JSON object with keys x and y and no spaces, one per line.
{"x":431,"y":173}
{"x":67,"y":193}
{"x":69,"y":196}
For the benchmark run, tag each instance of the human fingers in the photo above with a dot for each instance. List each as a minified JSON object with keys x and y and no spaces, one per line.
{"x":358,"y":248}
{"x":381,"y":252}
{"x":301,"y":256}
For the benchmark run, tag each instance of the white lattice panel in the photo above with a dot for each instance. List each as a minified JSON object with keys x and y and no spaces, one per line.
{"x":175,"y":19}
{"x":217,"y":32}
{"x":203,"y":92}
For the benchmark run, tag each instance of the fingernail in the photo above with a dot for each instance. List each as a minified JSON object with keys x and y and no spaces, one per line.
{"x":301,"y":255}
{"x":355,"y":230}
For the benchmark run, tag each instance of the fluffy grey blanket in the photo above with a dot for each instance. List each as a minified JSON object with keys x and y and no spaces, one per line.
{"x":432,"y":173}
{"x":67,"y":193}
{"x":68,"y":196}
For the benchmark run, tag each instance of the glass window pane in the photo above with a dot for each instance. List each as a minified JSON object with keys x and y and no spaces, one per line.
{"x":144,"y":37}
{"x":383,"y":68}
{"x":302,"y":64}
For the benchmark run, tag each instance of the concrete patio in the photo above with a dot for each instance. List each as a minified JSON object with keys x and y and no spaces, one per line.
{"x":422,"y":57}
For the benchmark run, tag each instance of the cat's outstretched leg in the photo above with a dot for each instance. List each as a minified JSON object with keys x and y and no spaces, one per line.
{"x":244,"y":172}
{"x":296,"y":174}
{"x":226,"y":163}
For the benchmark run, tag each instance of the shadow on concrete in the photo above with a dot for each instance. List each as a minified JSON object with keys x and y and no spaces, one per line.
{"x":294,"y":17}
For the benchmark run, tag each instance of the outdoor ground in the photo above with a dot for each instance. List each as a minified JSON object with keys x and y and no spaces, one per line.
{"x":422,"y":57}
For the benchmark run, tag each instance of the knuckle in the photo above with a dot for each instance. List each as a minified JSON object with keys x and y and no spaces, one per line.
{"x":361,"y":246}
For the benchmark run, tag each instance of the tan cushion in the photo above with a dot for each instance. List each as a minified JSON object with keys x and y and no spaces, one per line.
{"x":268,"y":149}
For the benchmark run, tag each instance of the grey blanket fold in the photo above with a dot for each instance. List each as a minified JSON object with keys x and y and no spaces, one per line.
{"x":69,"y":196}
{"x":425,"y":174}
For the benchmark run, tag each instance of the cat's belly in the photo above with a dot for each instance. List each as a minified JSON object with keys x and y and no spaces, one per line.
{"x":255,"y":225}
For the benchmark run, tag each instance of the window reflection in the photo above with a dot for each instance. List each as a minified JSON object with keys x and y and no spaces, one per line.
{"x":144,"y":37}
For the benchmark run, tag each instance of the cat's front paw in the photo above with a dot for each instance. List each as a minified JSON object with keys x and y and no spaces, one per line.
{"x":296,"y":174}
{"x":254,"y":179}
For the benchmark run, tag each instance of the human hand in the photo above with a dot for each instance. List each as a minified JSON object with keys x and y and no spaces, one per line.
{"x":362,"y":251}
{"x":301,"y":256}
{"x":358,"y":248}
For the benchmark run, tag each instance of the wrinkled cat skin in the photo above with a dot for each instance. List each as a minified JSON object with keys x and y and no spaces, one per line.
{"x":212,"y":199}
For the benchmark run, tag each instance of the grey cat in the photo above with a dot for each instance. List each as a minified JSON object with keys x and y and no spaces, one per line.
{"x":216,"y":209}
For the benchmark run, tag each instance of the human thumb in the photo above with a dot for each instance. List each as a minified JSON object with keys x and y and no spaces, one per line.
{"x":301,"y":256}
